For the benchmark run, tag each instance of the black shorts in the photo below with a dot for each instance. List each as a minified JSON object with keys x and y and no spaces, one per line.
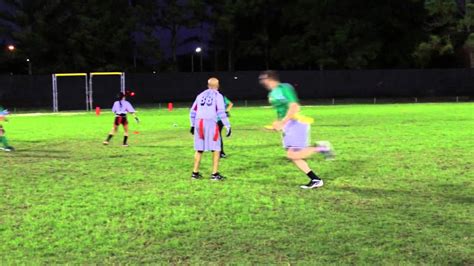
{"x":121,"y":120}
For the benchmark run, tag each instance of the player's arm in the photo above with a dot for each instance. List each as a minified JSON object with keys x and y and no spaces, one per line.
{"x":294,"y":108}
{"x":192,"y":115}
{"x":229,"y":103}
{"x":132,"y":111}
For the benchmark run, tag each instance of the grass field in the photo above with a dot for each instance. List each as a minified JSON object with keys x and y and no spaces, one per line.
{"x":400,"y":192}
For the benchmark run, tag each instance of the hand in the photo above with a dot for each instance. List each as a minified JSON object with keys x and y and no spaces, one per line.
{"x":227,"y":113}
{"x":229,"y":131}
{"x":191,"y":131}
{"x":137,"y":120}
{"x":278,"y":125}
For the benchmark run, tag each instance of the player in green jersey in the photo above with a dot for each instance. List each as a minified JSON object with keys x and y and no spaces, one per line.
{"x":3,"y":139}
{"x":228,"y":106}
{"x":295,"y":127}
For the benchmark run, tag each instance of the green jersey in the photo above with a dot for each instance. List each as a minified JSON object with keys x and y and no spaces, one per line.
{"x":226,"y":102}
{"x":281,"y":97}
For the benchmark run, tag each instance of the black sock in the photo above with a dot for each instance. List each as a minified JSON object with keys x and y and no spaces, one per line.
{"x":109,"y":137}
{"x":195,"y":173}
{"x":313,"y":176}
{"x":125,"y":138}
{"x":214,"y":174}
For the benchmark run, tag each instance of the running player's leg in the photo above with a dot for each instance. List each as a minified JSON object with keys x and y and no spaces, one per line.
{"x":4,"y":140}
{"x":315,"y":181}
{"x":295,"y":140}
{"x":308,"y":152}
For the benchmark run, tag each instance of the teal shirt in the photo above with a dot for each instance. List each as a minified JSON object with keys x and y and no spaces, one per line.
{"x":226,"y":104}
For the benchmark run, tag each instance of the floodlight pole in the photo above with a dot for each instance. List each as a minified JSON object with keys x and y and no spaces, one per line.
{"x":30,"y":68}
{"x":200,"y":59}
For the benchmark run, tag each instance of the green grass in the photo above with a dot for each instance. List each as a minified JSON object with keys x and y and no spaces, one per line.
{"x":400,"y":192}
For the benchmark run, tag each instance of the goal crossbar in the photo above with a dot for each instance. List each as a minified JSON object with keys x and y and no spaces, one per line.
{"x":55,"y":89}
{"x":91,"y":82}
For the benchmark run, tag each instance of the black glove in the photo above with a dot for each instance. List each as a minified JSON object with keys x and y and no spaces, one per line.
{"x":229,"y":132}
{"x":228,"y":114}
{"x":191,"y":131}
{"x":138,"y":120}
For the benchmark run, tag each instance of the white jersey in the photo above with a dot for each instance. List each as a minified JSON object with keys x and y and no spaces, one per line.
{"x":209,"y":105}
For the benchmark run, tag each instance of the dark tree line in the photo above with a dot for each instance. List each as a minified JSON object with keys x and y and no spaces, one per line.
{"x":106,"y":35}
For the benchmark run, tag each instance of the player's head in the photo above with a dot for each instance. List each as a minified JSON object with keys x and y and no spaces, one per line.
{"x":213,"y":84}
{"x":121,"y":96}
{"x":269,"y":79}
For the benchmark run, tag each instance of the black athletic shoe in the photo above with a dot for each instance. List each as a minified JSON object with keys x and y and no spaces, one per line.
{"x":217,"y":177}
{"x":196,"y":176}
{"x":223,"y":155}
{"x":315,"y":183}
{"x":7,"y":149}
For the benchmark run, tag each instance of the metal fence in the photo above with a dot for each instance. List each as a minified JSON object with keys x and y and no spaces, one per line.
{"x":326,"y":87}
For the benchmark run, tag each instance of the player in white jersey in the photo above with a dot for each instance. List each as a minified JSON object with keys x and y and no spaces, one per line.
{"x":206,"y":110}
{"x":121,"y":108}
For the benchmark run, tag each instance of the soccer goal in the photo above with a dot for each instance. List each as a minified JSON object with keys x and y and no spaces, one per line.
{"x":70,"y":91}
{"x":105,"y":87}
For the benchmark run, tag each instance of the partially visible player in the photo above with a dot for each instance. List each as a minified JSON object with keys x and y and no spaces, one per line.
{"x":206,"y":110}
{"x":295,"y":127}
{"x":121,"y":108}
{"x":3,"y":139}
{"x":228,"y":106}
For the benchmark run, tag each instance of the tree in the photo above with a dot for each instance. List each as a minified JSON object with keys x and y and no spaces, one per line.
{"x":448,"y":27}
{"x":172,"y":15}
{"x":72,"y":35}
{"x":224,"y":16}
{"x":467,"y":25}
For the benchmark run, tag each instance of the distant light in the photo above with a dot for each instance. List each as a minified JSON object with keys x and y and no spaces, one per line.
{"x":198,"y":50}
{"x":11,"y":48}
{"x":236,"y":77}
{"x":154,"y":72}
{"x":132,"y":93}
{"x":27,"y":60}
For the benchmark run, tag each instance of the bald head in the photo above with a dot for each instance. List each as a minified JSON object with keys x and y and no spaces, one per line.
{"x":213,"y":83}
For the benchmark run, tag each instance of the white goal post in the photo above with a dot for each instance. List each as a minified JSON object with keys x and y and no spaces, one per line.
{"x":55,"y":89}
{"x":91,"y":82}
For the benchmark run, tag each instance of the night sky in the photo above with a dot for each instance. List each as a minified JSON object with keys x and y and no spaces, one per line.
{"x":164,"y":36}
